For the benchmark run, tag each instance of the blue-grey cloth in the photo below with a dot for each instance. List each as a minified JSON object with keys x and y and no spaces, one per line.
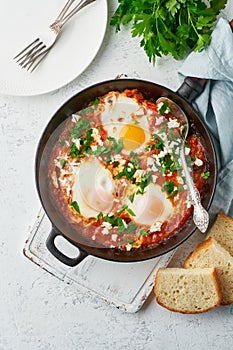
{"x":215,"y":106}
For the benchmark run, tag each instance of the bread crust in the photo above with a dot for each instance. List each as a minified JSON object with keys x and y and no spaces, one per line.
{"x":227,"y":218}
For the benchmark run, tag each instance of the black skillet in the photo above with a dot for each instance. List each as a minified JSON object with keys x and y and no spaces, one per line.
{"x":188,"y":91}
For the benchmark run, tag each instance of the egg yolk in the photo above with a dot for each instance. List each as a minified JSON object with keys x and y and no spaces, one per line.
{"x":155,"y":208}
{"x":133,"y":136}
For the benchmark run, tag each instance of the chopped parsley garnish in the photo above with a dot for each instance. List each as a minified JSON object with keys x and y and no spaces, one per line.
{"x":131,"y":197}
{"x":86,"y":111}
{"x":63,"y":162}
{"x":128,"y":172}
{"x":168,"y":186}
{"x":159,"y":145}
{"x":205,"y":175}
{"x":80,"y":127}
{"x":114,"y":148}
{"x":75,"y":152}
{"x":145,"y":180}
{"x":96,"y":103}
{"x":125,"y":207}
{"x":62,"y":143}
{"x":75,"y":205}
{"x":142,"y":233}
{"x":99,"y":216}
{"x":166,"y":162}
{"x":164,"y":108}
{"x":85,"y":142}
{"x":130,"y":228}
{"x":117,"y":146}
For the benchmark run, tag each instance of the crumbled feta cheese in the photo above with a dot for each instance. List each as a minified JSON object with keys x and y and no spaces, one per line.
{"x":57,"y":163}
{"x":93,"y":148}
{"x":63,"y":182}
{"x":154,"y":178}
{"x":96,"y":136}
{"x":117,"y":157}
{"x":187,"y":151}
{"x":160,"y":105}
{"x":93,"y":237}
{"x":156,"y":227}
{"x":77,"y":143}
{"x":163,"y":136}
{"x":128,"y":247}
{"x":114,"y":237}
{"x":95,"y":132}
{"x":151,"y":164}
{"x":180,"y":180}
{"x":105,"y":231}
{"x":54,"y":178}
{"x":154,"y":168}
{"x":75,"y":118}
{"x":130,"y":165}
{"x":173,"y":123}
{"x":157,"y":161}
{"x":198,"y":162}
{"x":106,"y":224}
{"x":173,"y":145}
{"x":150,"y":161}
{"x":150,"y":112}
{"x":138,"y":175}
{"x":64,"y":172}
{"x":159,"y":120}
{"x":162,"y":153}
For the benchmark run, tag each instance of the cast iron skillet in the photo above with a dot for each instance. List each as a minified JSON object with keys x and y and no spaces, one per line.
{"x":189,"y":90}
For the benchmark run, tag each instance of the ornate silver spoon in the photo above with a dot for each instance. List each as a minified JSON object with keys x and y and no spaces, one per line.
{"x":200,"y":215}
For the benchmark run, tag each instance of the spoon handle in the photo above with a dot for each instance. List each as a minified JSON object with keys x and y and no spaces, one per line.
{"x":200,"y":215}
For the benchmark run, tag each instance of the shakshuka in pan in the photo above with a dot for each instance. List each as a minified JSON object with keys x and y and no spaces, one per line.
{"x":115,"y":172}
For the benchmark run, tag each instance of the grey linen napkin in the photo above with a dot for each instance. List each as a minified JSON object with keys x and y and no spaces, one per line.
{"x":215,"y":106}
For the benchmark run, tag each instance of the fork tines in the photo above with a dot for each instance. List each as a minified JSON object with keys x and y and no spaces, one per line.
{"x":29,"y":54}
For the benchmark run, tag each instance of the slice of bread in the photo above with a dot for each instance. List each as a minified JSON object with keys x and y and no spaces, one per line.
{"x":188,"y":291}
{"x":222,"y":232}
{"x":211,"y":254}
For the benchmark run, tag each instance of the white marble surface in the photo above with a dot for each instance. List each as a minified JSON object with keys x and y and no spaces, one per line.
{"x":37,"y":311}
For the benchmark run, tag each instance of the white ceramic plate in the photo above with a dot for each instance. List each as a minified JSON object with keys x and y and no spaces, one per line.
{"x":80,"y":40}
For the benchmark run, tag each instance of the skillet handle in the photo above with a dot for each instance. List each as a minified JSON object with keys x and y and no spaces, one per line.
{"x":50,"y":244}
{"x":191,"y":88}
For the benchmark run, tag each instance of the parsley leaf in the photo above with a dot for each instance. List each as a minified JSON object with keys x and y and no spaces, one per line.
{"x":168,"y":26}
{"x":75,"y":205}
{"x":205,"y":175}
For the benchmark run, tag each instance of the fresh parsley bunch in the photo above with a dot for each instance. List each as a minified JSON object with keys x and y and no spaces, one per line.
{"x":169,"y":26}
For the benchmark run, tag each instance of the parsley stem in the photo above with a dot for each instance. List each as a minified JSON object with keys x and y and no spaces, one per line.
{"x":191,"y":21}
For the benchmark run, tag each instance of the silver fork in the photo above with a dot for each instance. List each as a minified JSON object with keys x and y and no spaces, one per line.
{"x":32,"y":55}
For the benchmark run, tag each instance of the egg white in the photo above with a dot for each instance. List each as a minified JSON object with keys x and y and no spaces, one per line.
{"x":93,"y":188}
{"x":151,"y":206}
